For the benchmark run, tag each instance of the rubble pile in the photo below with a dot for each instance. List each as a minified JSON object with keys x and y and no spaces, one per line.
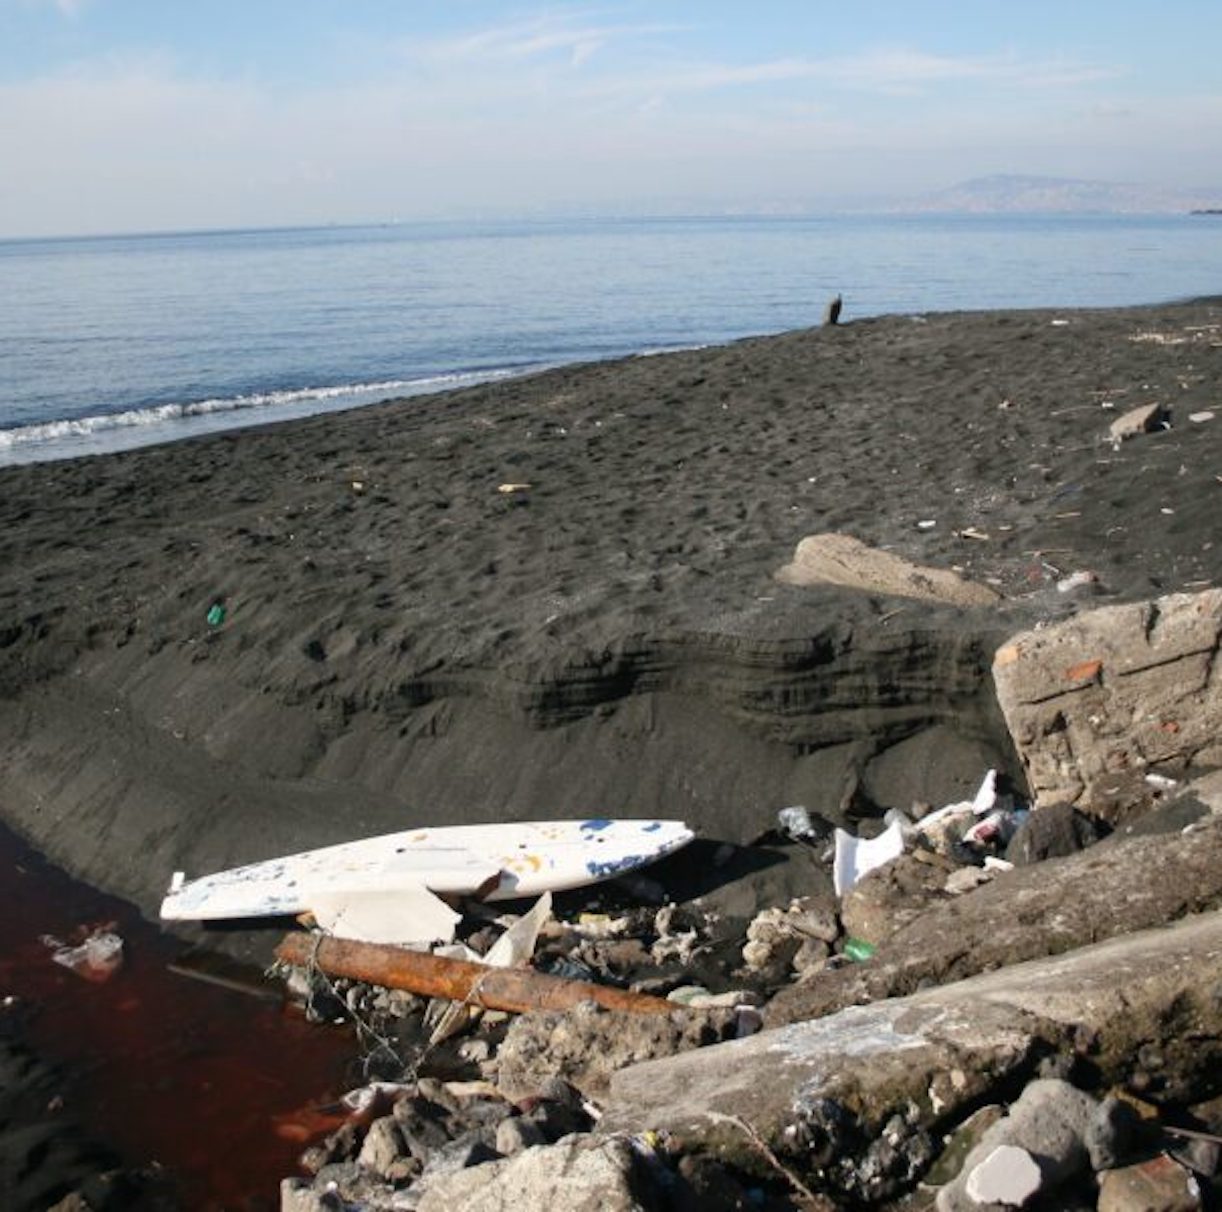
{"x":989,"y":1004}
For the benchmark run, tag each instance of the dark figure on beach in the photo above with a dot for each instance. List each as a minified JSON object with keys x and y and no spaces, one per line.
{"x":831,"y":313}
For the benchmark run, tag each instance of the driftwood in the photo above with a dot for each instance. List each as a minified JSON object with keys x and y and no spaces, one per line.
{"x":513,"y":989}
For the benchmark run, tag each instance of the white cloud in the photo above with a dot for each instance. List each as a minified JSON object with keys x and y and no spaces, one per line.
{"x":501,"y":121}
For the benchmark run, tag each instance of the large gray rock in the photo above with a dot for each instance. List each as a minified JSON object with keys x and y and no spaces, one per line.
{"x":840,"y":559}
{"x":1049,"y":1123}
{"x":577,"y":1174}
{"x":1119,"y":886}
{"x":1115,"y":689}
{"x":823,"y":1095}
{"x":586,"y":1044}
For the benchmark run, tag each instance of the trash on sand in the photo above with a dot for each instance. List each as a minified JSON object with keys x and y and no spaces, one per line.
{"x":856,"y":856}
{"x":387,"y":915}
{"x":97,"y":959}
{"x":216,"y":614}
{"x":510,"y":488}
{"x":795,"y":821}
{"x":798,"y":824}
{"x":513,"y":989}
{"x":1077,"y":580}
{"x":858,"y":950}
{"x":513,"y":949}
{"x":389,"y":888}
{"x":996,"y":829}
{"x":986,"y":796}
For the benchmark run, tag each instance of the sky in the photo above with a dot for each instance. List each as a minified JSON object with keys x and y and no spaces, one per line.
{"x":147,"y":115}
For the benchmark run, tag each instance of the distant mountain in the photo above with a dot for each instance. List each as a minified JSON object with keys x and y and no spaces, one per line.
{"x":1009,"y":194}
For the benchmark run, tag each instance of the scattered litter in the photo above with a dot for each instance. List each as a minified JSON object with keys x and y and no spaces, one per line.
{"x":510,"y":488}
{"x":856,"y":856}
{"x":1059,"y":323}
{"x":1161,"y":781}
{"x":798,"y":823}
{"x":1201,"y":417}
{"x":1077,"y":580}
{"x":927,"y":524}
{"x":389,"y":888}
{"x":858,"y":950}
{"x":513,"y":949}
{"x":972,"y":533}
{"x":996,"y":829}
{"x":96,"y":959}
{"x":986,"y":794}
{"x":216,"y":614}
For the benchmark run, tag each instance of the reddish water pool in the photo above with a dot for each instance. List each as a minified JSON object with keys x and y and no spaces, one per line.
{"x":205,"y":1081}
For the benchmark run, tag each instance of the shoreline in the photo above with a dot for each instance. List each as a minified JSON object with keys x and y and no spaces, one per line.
{"x":405,"y":642}
{"x":128,"y":429}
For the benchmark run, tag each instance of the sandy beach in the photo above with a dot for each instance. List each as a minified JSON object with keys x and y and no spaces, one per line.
{"x":555,"y":596}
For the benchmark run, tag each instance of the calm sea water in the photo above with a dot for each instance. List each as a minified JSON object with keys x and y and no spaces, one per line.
{"x":114,"y":342}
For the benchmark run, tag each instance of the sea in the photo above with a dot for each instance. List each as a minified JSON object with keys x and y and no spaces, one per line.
{"x":112,"y":342}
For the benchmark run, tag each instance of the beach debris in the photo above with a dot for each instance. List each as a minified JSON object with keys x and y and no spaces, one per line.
{"x":1118,"y":688}
{"x":798,"y":823}
{"x":407,"y":914}
{"x":840,"y":559}
{"x":1199,"y":418}
{"x":858,"y":950}
{"x":856,"y":856}
{"x":1083,"y":579}
{"x":97,"y":958}
{"x":508,"y":489}
{"x":831,"y":313}
{"x":216,"y":614}
{"x":1148,"y":418}
{"x":388,"y":889}
{"x":513,"y":989}
{"x":512,"y":950}
{"x":801,"y":933}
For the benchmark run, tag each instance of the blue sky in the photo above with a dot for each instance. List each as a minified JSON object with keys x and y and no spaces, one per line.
{"x":123,"y":115}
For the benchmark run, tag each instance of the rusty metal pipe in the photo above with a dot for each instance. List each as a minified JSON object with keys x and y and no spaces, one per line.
{"x":513,"y":989}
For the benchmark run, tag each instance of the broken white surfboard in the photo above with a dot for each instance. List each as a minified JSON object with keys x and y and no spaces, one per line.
{"x":355,"y":884}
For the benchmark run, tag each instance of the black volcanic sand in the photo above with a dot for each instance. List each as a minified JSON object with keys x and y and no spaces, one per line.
{"x":405,"y":643}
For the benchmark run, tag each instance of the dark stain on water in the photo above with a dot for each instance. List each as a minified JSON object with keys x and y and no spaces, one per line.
{"x":213,"y":1084}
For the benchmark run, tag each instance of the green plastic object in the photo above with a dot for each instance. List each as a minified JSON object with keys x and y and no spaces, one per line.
{"x":216,"y":614}
{"x":858,"y":950}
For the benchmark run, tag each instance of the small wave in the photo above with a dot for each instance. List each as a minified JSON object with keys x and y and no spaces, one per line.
{"x":161,"y":414}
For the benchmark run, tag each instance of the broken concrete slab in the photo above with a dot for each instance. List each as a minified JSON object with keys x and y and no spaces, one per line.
{"x":578,"y":1173}
{"x":840,"y":559}
{"x":1116,"y":689}
{"x":854,"y":1102}
{"x":1119,"y":886}
{"x":1146,"y":418}
{"x":586,"y":1044}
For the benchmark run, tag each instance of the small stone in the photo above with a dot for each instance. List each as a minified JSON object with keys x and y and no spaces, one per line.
{"x":1053,"y":832}
{"x":514,"y":1135}
{"x":1008,"y":1176}
{"x":1146,"y":419}
{"x":1111,"y":1134}
{"x":1160,"y":1183}
{"x":965,"y":879}
{"x":470,"y":1149}
{"x":297,"y":1195}
{"x":383,"y":1146}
